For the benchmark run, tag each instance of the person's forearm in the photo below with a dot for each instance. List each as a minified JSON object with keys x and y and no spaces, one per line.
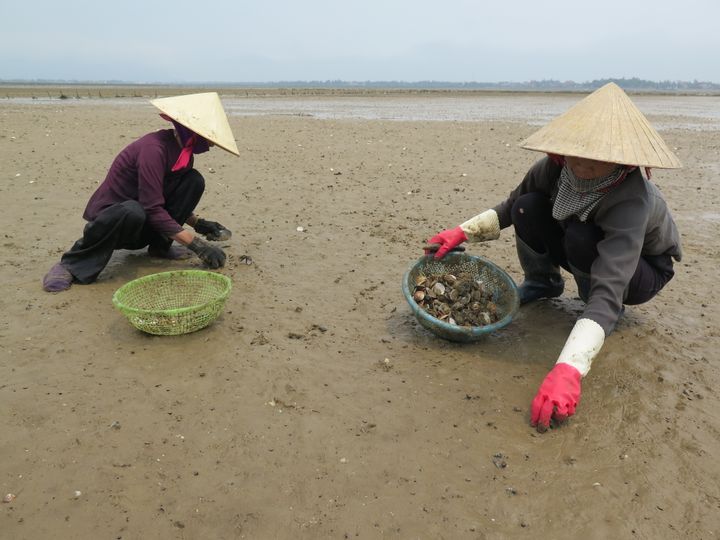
{"x":582,"y":345}
{"x":483,"y":227}
{"x":184,"y":237}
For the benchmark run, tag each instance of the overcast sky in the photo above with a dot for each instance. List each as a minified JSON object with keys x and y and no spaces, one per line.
{"x":404,"y":40}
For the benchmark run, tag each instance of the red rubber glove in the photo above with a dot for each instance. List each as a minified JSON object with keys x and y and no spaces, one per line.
{"x":448,"y":239}
{"x":557,"y":397}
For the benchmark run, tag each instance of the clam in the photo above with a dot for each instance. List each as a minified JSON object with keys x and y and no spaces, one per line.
{"x":419,"y":295}
{"x":438,"y":289}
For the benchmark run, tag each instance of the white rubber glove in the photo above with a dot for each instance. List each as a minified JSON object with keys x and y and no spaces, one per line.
{"x":483,"y":227}
{"x":582,"y":345}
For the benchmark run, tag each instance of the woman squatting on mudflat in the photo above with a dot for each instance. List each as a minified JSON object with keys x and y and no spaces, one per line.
{"x":586,"y":208}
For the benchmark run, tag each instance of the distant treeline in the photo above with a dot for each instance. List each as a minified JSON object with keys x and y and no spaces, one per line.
{"x":546,"y":85}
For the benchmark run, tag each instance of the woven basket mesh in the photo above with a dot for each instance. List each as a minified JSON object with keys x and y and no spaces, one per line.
{"x":172,"y":303}
{"x":495,"y":280}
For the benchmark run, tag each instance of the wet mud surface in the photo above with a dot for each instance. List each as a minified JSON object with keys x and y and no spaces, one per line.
{"x":316,"y":406}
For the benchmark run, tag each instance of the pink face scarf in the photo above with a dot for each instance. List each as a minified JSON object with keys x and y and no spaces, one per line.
{"x":191,"y":141}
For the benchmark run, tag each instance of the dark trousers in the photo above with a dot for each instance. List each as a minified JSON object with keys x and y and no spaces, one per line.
{"x":573,"y":244}
{"x":123,"y":226}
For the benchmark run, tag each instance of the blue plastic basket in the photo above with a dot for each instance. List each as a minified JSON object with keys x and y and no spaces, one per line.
{"x":497,"y":282}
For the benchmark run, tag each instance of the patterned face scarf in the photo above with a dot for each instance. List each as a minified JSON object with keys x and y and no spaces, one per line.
{"x":578,"y":197}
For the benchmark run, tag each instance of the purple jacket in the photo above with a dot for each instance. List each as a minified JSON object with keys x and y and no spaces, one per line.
{"x":141,"y":172}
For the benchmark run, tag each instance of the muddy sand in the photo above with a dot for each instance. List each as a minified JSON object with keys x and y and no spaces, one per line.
{"x":316,"y":406}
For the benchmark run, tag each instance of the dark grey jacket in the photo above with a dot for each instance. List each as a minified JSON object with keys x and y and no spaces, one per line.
{"x":635,"y":220}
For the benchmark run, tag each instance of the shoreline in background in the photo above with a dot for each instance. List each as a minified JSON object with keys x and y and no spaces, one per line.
{"x":101,"y":91}
{"x":667,"y":111}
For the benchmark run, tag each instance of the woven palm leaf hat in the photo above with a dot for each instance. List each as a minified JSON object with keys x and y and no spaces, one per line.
{"x":202,"y":113}
{"x":605,"y":126}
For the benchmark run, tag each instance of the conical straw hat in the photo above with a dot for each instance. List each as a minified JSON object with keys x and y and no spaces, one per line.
{"x":203,"y":114}
{"x":605,"y":126}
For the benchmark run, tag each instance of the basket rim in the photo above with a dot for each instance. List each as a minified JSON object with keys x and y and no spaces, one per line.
{"x":472,"y":331}
{"x":173,"y":311}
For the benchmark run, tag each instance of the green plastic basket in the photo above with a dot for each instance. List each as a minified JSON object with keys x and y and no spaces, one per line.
{"x":500,"y":285}
{"x":173,"y":303}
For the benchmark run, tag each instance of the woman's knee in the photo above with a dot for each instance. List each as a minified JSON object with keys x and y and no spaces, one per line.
{"x":648,"y":280}
{"x":581,"y":244}
{"x":532,"y":218}
{"x":530,"y":207}
{"x":134,"y":214}
{"x":127,"y":217}
{"x":194,"y":182}
{"x":130,"y":213}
